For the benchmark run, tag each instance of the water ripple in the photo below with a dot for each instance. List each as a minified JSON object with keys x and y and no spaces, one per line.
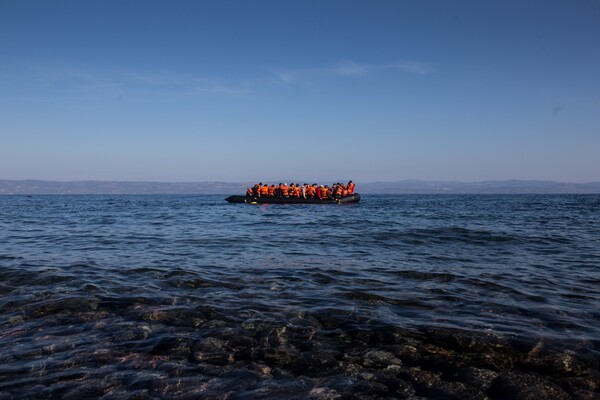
{"x":398,"y":296}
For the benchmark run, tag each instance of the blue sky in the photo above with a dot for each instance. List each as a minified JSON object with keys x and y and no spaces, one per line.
{"x":309,"y":90}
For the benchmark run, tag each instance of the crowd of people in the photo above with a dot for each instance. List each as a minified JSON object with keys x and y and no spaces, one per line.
{"x":307,"y":191}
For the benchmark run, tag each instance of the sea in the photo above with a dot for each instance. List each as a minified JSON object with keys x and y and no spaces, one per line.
{"x":397,"y":296}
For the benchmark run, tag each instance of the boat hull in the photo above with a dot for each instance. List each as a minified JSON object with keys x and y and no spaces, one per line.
{"x":353,"y":198}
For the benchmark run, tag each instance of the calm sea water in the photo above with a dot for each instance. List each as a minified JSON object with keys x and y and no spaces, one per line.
{"x":175,"y":296}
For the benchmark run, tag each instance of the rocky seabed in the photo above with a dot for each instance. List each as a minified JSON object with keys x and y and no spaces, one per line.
{"x":143,"y":348}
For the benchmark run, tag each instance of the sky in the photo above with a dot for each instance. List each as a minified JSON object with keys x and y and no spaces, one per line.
{"x":238,"y":91}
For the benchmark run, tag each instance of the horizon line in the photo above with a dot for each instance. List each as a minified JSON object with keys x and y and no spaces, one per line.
{"x":301,"y":180}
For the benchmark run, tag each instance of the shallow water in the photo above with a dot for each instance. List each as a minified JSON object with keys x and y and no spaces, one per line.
{"x":397,"y":296}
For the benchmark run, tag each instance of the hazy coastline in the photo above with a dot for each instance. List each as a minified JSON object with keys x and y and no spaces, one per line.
{"x":30,"y":187}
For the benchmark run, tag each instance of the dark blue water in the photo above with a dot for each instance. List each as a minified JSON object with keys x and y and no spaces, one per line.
{"x":397,"y":296}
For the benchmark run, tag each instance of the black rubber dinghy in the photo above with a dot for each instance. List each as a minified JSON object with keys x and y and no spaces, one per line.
{"x":353,"y":198}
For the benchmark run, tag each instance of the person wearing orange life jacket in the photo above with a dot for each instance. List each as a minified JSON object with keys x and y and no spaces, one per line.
{"x":325,"y":192}
{"x":351,"y":186}
{"x":344,"y":191}
{"x":296,"y":192}
{"x":264,"y":190}
{"x":249,"y":192}
{"x":285,"y":190}
{"x":310,"y":191}
{"x":338,"y":191}
{"x":271,"y":191}
{"x":256,"y":190}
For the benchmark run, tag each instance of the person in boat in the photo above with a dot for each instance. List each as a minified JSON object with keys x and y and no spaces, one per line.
{"x":264,"y":190}
{"x":285,"y":190}
{"x":351,"y":186}
{"x":295,"y":192}
{"x":249,"y":192}
{"x":337,"y":191}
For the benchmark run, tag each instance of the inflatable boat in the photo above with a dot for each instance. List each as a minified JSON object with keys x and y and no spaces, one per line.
{"x":352,"y":198}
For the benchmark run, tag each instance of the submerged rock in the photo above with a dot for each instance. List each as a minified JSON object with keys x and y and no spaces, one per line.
{"x":525,"y":386}
{"x":479,"y":378}
{"x":225,"y":349}
{"x":323,"y":393}
{"x":380,"y":359}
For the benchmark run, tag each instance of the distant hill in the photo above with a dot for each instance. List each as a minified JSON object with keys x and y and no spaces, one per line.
{"x":401,"y":187}
{"x":118,"y":187}
{"x":484,"y":187}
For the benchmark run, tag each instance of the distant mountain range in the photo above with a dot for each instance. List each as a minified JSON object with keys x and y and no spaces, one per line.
{"x":483,"y":187}
{"x":30,"y":187}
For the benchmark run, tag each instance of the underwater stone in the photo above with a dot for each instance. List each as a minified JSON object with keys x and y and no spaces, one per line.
{"x":261,"y":369}
{"x":209,"y":344}
{"x":479,"y":378}
{"x":526,"y":387}
{"x":323,"y":393}
{"x":217,"y":358}
{"x":406,"y":352}
{"x":283,"y":356}
{"x":380,"y":359}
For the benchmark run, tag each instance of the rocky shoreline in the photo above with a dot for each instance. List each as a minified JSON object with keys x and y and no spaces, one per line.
{"x":140,"y":348}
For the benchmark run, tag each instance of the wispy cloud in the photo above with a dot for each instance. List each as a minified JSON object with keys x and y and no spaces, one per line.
{"x":65,"y":82}
{"x":353,"y":69}
{"x":182,"y":84}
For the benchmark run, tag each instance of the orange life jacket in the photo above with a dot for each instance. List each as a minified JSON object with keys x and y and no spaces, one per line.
{"x":310,"y":191}
{"x":264,"y":190}
{"x":345,"y":192}
{"x":285,"y":189}
{"x":250,"y":192}
{"x":338,"y":190}
{"x":351,"y":188}
{"x":324,"y":193}
{"x":295,"y":192}
{"x":272,"y":190}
